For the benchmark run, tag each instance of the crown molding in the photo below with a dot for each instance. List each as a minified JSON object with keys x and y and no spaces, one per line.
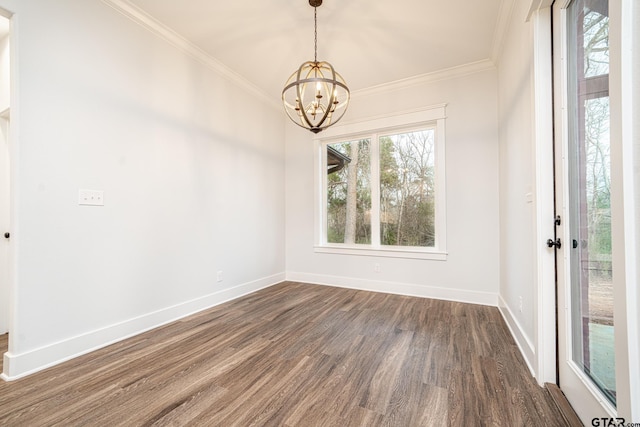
{"x":159,"y":29}
{"x":444,"y":74}
{"x":146,"y":21}
{"x":502,"y":26}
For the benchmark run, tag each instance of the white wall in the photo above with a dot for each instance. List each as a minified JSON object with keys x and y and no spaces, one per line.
{"x":471,"y":272}
{"x":192,"y":168}
{"x":517,"y":179}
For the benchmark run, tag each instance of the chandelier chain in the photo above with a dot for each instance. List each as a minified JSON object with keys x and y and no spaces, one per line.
{"x":315,"y":33}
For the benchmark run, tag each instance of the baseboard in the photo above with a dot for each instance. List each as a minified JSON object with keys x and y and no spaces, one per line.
{"x":414,"y":290}
{"x":523,"y":342}
{"x":23,"y":364}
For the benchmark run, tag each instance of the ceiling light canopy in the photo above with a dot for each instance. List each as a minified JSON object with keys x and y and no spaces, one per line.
{"x":315,"y":96}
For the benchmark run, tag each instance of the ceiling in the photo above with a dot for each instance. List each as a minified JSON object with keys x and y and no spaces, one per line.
{"x":369,"y":42}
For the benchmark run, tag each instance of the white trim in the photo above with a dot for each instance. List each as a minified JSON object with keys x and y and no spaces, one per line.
{"x":630,"y":137}
{"x":396,"y":288}
{"x":159,"y":29}
{"x":624,"y":204}
{"x":409,"y":252}
{"x":422,"y":79}
{"x":23,"y":364}
{"x":375,"y":192}
{"x":14,"y":178}
{"x":545,"y":324}
{"x":536,"y":6}
{"x":320,"y":223}
{"x":440,"y":220}
{"x":584,"y":406}
{"x":386,"y":122}
{"x":432,"y":117}
{"x":7,"y":282}
{"x":524,"y":343}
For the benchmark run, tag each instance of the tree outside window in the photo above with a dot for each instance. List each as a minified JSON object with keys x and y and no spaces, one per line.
{"x":407,"y":169}
{"x":404,"y":181}
{"x":349,"y":193}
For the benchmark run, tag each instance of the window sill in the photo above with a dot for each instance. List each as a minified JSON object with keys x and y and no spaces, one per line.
{"x":386,"y":252}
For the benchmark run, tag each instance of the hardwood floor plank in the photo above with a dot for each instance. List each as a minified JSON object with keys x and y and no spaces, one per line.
{"x":386,"y":375}
{"x":434,"y":408}
{"x":437,"y":361}
{"x":297,"y":355}
{"x":244,"y":398}
{"x":357,"y":416}
{"x":269,"y":398}
{"x":330,"y":392}
{"x":183,"y":412}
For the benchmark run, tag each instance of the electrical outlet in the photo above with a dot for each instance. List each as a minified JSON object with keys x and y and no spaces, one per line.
{"x":376,"y":267}
{"x":91,"y":197}
{"x":219,"y":276}
{"x":520,"y":304}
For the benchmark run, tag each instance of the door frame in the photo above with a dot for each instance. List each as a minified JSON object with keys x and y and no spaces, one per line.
{"x":545,"y":330}
{"x":624,"y":90}
{"x":13,"y":177}
{"x":6,"y":226}
{"x":7,"y":282}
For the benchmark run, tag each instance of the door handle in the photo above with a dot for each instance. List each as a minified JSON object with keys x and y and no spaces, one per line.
{"x":557,"y":243}
{"x":7,"y":235}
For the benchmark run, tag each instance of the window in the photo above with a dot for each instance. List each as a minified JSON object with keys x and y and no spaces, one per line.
{"x":589,"y":163}
{"x":382,"y":190}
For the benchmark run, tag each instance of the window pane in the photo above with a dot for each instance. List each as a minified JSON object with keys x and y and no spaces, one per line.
{"x":349,"y":192}
{"x":596,"y":262}
{"x":589,"y":195}
{"x":407,"y":199}
{"x":596,"y":39}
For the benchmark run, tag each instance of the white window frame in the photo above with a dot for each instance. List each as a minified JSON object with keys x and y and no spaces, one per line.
{"x":432,"y":117}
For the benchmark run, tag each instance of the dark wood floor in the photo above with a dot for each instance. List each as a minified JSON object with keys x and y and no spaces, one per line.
{"x":297,"y":355}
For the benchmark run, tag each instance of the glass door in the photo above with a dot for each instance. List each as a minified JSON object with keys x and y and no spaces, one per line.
{"x":585,"y":287}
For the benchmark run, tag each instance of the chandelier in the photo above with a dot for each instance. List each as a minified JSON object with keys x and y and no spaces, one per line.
{"x":315,"y":96}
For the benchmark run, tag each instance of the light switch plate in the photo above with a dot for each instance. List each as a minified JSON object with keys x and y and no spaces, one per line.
{"x":91,"y":197}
